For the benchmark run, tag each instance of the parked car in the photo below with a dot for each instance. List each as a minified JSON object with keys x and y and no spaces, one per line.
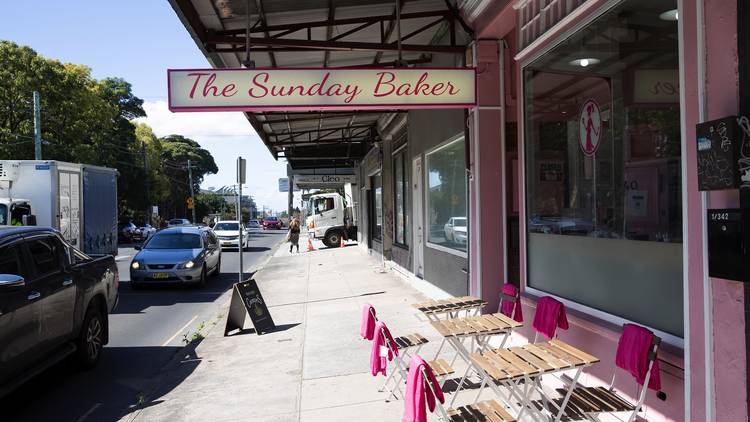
{"x":127,"y":231}
{"x":228,"y":233}
{"x":144,"y":232}
{"x":455,"y":230}
{"x":54,"y":303}
{"x":253,"y":224}
{"x":177,"y":255}
{"x":179,"y":222}
{"x":271,"y":223}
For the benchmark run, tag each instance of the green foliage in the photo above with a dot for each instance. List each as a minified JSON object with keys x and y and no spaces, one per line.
{"x":85,"y":120}
{"x":210,"y":203}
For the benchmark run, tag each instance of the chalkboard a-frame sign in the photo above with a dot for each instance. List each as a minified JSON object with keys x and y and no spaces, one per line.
{"x":246,"y":299}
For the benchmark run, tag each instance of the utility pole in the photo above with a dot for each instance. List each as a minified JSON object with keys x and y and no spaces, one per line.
{"x":145,"y":172}
{"x":37,"y":127}
{"x":192,"y":193}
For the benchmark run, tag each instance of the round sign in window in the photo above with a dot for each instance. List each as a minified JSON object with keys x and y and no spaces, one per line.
{"x":590,"y":126}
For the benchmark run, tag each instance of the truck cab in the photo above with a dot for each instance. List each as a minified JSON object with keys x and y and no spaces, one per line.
{"x":330,"y":219}
{"x":13,"y":211}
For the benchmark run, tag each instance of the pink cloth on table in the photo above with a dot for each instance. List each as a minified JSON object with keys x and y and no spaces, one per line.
{"x":379,"y":364}
{"x":550,"y":314}
{"x":632,"y":355}
{"x":418,"y":396}
{"x":367,"y":328}
{"x":511,"y":309}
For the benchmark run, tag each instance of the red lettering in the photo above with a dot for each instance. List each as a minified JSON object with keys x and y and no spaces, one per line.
{"x":229,"y":90}
{"x":438,"y":89}
{"x":451,"y":88}
{"x":260,"y":84}
{"x":404,"y":89}
{"x":380,"y":82}
{"x":195,"y":84}
{"x":421,"y":87}
{"x":209,"y":87}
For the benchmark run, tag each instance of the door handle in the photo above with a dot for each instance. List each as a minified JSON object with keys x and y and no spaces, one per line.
{"x":67,"y":282}
{"x":34,"y":295}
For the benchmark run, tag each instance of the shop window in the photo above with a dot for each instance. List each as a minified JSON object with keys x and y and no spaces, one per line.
{"x":602,"y":137}
{"x":399,"y":187}
{"x":376,"y":210}
{"x":446,"y":197}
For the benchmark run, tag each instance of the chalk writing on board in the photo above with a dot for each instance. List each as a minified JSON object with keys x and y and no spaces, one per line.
{"x":718,"y":152}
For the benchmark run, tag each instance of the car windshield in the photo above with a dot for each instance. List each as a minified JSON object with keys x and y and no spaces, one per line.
{"x":271,"y":218}
{"x":227,"y":226}
{"x":459,"y":222}
{"x":174,"y":241}
{"x":178,"y":221}
{"x":3,"y":214}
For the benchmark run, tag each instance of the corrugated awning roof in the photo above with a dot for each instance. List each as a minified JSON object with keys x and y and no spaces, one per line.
{"x":322,"y":33}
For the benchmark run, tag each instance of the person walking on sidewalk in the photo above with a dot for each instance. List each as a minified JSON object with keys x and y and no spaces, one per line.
{"x":293,"y":237}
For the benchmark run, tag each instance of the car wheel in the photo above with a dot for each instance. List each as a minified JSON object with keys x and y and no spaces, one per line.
{"x":202,"y":281}
{"x":217,"y":270}
{"x":333,"y":239}
{"x":91,"y":338}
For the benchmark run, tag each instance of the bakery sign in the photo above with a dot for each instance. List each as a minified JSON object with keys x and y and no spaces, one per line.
{"x":320,"y":89}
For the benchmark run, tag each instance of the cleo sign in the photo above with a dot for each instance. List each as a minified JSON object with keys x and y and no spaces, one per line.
{"x":320,"y":89}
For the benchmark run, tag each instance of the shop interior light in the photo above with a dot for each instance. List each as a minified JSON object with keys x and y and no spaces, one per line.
{"x":588,"y":61}
{"x":669,"y":15}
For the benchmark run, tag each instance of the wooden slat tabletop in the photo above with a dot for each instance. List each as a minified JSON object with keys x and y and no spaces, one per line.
{"x":531,"y":360}
{"x":475,"y":325}
{"x":450,"y":305}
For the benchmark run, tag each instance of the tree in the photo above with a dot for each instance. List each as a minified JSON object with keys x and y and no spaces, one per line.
{"x":176,"y":151}
{"x":209,"y":203}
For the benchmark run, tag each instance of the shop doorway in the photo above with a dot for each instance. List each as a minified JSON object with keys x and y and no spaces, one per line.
{"x":418,"y":217}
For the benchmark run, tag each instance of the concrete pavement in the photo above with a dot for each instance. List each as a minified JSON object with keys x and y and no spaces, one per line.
{"x":314,"y":367}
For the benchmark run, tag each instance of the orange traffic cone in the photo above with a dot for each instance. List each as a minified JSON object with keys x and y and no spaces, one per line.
{"x":343,"y":242}
{"x":310,"y":246}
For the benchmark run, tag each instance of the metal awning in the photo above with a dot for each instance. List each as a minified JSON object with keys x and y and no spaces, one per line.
{"x":322,"y":33}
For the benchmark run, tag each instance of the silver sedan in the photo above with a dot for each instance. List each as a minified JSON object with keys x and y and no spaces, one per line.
{"x":177,"y":255}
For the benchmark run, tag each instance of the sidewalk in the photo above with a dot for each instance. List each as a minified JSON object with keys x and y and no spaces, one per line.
{"x":314,"y":367}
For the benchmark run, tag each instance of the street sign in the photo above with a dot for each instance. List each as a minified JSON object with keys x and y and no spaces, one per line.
{"x":284,"y":184}
{"x":247,"y":300}
{"x":283,"y":89}
{"x":241,"y":167}
{"x":190,"y":203}
{"x":155,"y":210}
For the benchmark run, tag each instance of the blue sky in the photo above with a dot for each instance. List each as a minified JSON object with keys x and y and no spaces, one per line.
{"x":138,"y":40}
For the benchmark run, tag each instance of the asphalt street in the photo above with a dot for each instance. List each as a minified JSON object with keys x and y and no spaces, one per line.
{"x":146,"y":330}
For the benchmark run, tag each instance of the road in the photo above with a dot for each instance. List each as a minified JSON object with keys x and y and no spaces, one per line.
{"x":146,"y":330}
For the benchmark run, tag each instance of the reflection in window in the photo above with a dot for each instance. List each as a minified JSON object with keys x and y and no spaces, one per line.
{"x":603,"y":166}
{"x":446,"y":196}
{"x":400,"y":185}
{"x":376,"y":215}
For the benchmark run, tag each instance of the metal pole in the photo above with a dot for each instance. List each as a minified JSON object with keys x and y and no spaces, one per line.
{"x":192,"y":193}
{"x":398,"y":32}
{"x":240,"y":249}
{"x":37,"y":128}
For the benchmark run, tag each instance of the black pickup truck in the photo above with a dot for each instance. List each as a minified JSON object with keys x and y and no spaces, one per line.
{"x":54,"y":303}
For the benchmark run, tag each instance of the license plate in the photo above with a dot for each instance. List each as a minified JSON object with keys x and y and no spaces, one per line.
{"x":226,"y":243}
{"x":160,"y":275}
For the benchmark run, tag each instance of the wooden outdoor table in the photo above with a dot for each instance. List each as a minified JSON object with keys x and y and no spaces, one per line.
{"x":528,"y":363}
{"x":478,"y":328}
{"x":450,"y":307}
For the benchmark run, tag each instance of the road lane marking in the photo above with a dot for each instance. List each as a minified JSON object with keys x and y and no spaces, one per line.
{"x":179,"y":331}
{"x":122,"y":258}
{"x":87,"y":414}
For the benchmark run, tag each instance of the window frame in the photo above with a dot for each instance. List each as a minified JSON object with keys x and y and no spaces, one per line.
{"x":426,"y":175}
{"x":63,"y":257}
{"x":375,"y":234}
{"x":402,"y":153}
{"x":529,"y":55}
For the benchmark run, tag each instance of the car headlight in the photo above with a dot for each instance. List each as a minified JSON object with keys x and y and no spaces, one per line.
{"x":187,"y":265}
{"x":135,"y":265}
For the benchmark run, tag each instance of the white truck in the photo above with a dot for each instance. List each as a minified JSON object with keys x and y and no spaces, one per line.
{"x":330,"y":218}
{"x":79,"y":200}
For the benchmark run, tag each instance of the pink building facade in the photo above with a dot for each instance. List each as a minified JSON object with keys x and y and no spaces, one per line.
{"x":556,"y":220}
